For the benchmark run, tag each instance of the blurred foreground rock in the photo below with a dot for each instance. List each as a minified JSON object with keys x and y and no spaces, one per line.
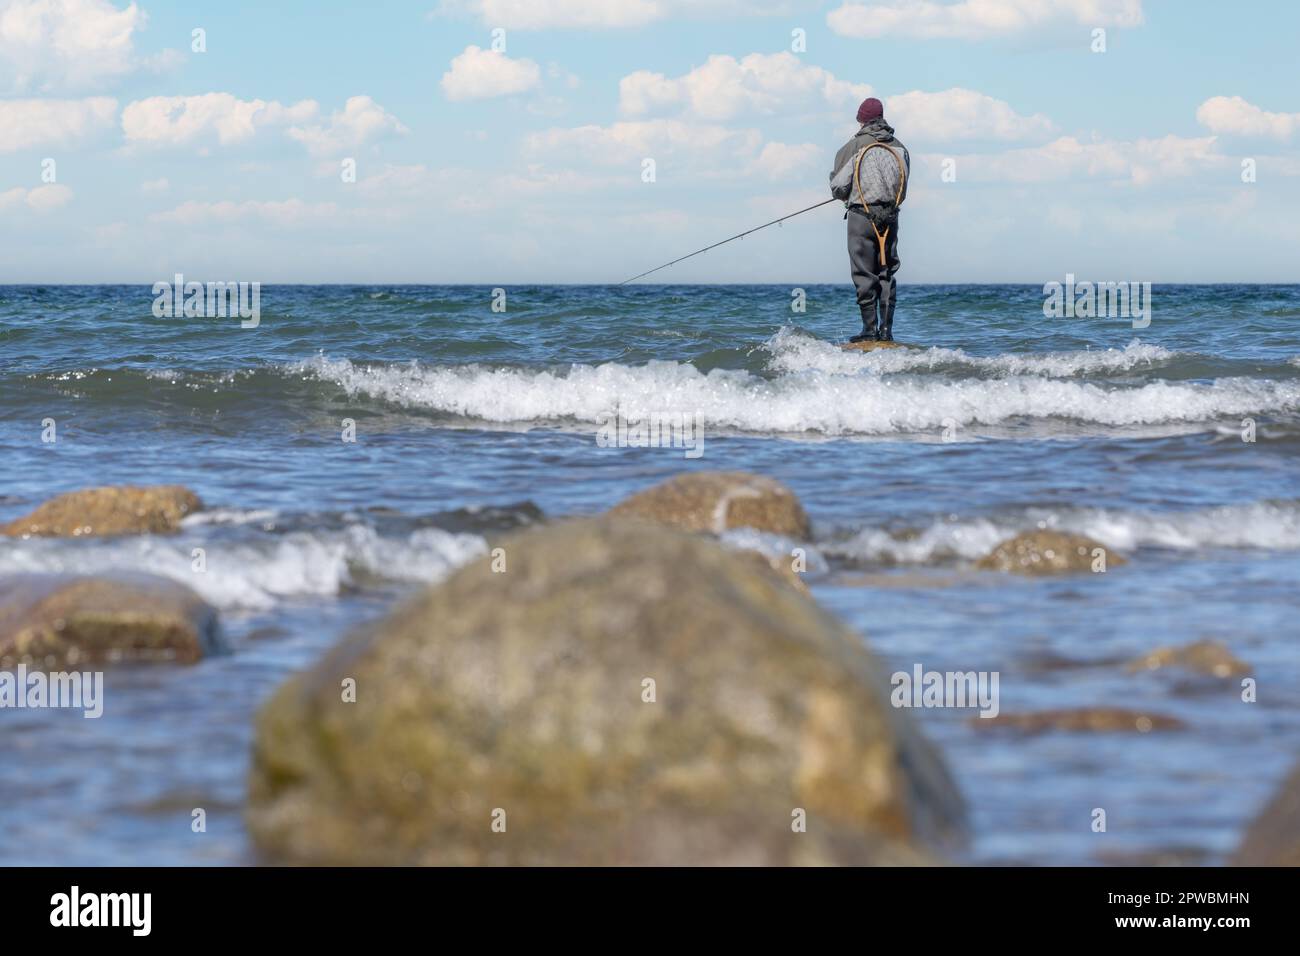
{"x":779,"y":566}
{"x":60,"y":621}
{"x":622,"y":694}
{"x":714,"y":501}
{"x":1046,"y":552}
{"x":1273,"y":839}
{"x":123,"y":509}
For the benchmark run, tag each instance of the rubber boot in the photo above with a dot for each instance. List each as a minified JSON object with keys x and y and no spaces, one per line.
{"x":886,"y":333}
{"x":868,"y":333}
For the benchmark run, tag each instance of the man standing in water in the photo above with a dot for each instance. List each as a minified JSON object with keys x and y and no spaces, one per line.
{"x":870,"y":176}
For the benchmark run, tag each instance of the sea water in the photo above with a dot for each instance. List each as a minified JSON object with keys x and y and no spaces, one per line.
{"x":1176,"y":445}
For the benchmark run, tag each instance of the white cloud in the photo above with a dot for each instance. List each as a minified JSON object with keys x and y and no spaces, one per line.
{"x":186,"y":120}
{"x":960,"y":114}
{"x":360,"y":121}
{"x":667,"y":141}
{"x":782,"y":160}
{"x":155,"y":185}
{"x":1235,"y":116}
{"x":287,"y":212}
{"x":40,"y":198}
{"x":477,"y":74}
{"x":397,"y":188}
{"x":724,"y":87}
{"x":1151,"y":160}
{"x":977,"y":19}
{"x":1143,"y":162}
{"x":394,"y":180}
{"x":199,"y":120}
{"x":645,"y":92}
{"x":66,"y":44}
{"x":29,"y":123}
{"x":610,"y":14}
{"x":543,"y":14}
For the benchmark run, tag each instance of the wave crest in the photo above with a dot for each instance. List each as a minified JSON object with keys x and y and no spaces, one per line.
{"x":1266,"y":526}
{"x":815,"y":401}
{"x":257,"y":574}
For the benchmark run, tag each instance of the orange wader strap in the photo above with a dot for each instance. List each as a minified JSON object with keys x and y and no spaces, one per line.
{"x":898,"y":199}
{"x":880,"y":241}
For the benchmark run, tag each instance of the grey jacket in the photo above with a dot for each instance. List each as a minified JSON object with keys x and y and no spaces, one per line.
{"x":879,"y":172}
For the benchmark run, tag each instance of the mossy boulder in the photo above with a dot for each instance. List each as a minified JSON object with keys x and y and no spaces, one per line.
{"x":1046,"y":552}
{"x":621,"y":694}
{"x":55,"y":621}
{"x":121,"y":509}
{"x":782,"y":568}
{"x":714,"y":501}
{"x":1273,"y":838}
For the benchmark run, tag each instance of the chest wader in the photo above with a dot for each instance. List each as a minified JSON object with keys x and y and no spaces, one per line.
{"x":874,"y":278}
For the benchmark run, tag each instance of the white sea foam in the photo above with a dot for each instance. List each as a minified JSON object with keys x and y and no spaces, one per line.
{"x":793,"y":351}
{"x":814,"y":401}
{"x":229,"y":516}
{"x":776,"y":547}
{"x":1264,"y":526}
{"x":257,"y":574}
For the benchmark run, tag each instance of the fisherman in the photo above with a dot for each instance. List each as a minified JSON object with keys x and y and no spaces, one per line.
{"x":870,"y":177}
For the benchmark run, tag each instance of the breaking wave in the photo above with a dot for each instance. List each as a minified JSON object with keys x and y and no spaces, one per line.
{"x":815,"y":401}
{"x":1265,"y":526}
{"x":794,"y":351}
{"x":255,"y":574}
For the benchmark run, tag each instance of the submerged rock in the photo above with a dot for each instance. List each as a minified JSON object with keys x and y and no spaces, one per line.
{"x":1273,"y":839}
{"x":55,"y":620}
{"x":1046,"y":552}
{"x":621,"y":694}
{"x":1203,"y":657}
{"x":1082,"y":719}
{"x":122,"y":509}
{"x":714,"y":501}
{"x":873,"y":346}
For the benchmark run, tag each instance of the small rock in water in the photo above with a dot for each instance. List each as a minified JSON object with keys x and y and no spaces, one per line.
{"x":1158,"y":856}
{"x":1273,"y":838}
{"x":1046,"y":552}
{"x":1047,"y":662}
{"x":1203,"y":657}
{"x":122,"y":509}
{"x":54,"y":620}
{"x":714,"y":501}
{"x":873,"y":346}
{"x":1082,"y":719}
{"x":622,"y":694}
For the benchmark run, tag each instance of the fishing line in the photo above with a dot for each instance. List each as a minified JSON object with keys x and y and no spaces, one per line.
{"x":739,"y":235}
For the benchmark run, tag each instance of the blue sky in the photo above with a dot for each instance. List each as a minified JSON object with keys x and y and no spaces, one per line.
{"x":526,"y":165}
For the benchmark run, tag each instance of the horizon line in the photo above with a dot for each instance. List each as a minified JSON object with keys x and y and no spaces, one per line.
{"x":646,"y":285}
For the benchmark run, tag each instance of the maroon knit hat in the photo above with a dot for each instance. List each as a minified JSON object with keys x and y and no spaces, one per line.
{"x":870,"y":109}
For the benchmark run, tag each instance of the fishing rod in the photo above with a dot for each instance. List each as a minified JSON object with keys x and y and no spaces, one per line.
{"x":740,"y":235}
